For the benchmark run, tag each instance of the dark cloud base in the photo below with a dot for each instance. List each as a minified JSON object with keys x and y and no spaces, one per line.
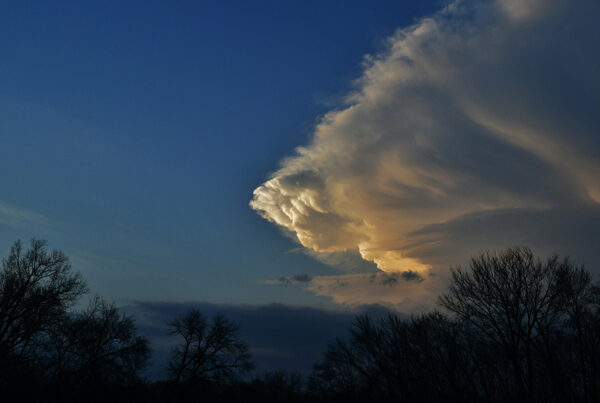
{"x":572,"y":231}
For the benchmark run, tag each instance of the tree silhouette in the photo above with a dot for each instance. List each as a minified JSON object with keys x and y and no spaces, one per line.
{"x":98,"y":345}
{"x":282,"y":386}
{"x":514,"y":328}
{"x":36,"y":288}
{"x":210,"y":352}
{"x":520,"y":329}
{"x":517,"y":303}
{"x":392,"y":359}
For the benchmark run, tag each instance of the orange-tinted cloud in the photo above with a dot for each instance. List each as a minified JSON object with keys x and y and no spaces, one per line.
{"x":487,"y":106}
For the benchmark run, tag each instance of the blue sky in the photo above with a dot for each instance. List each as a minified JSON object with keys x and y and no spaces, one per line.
{"x":133,"y":134}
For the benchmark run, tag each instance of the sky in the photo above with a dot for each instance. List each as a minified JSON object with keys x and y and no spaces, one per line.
{"x":133,"y":134}
{"x":280,"y":156}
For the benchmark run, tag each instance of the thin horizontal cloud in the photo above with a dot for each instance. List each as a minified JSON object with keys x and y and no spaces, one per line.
{"x":406,"y":291}
{"x":298,"y":278}
{"x":484,"y":108}
{"x":20,"y":218}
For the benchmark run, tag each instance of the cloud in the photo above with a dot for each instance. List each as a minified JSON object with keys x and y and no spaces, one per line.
{"x":573,"y":232}
{"x":485,"y":111}
{"x":299,"y":278}
{"x":406,"y":291}
{"x":350,"y":261}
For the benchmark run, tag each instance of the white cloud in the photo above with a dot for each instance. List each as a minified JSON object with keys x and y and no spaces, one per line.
{"x":486,"y":106}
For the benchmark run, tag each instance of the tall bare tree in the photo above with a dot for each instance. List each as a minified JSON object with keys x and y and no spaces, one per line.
{"x":520,"y":329}
{"x":36,"y":288}
{"x":96,"y":346}
{"x":517,"y":303}
{"x":209,"y":352}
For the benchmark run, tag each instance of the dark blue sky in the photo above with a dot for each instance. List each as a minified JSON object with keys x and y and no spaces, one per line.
{"x":133,"y":133}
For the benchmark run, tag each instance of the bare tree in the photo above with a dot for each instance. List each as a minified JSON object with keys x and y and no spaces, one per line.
{"x":521,"y":329}
{"x":519,"y":305}
{"x":36,"y":288}
{"x":210,"y":352}
{"x":583,"y":331}
{"x":98,"y":345}
{"x":396,"y":359}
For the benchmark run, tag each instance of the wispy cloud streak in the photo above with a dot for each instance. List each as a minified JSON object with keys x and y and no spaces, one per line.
{"x":19,"y":218}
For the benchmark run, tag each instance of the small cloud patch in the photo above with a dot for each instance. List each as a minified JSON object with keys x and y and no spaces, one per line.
{"x":297,"y":279}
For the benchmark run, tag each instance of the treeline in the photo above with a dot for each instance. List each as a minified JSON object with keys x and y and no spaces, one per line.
{"x":517,"y":329}
{"x":510,"y":328}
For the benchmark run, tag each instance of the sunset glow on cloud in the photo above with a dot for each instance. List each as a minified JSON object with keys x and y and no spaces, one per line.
{"x":478,"y":112}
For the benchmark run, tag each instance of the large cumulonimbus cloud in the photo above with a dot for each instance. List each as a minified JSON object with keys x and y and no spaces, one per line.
{"x":478,"y":127}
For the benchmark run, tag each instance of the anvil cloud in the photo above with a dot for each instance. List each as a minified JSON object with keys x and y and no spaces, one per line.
{"x":481,"y":113}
